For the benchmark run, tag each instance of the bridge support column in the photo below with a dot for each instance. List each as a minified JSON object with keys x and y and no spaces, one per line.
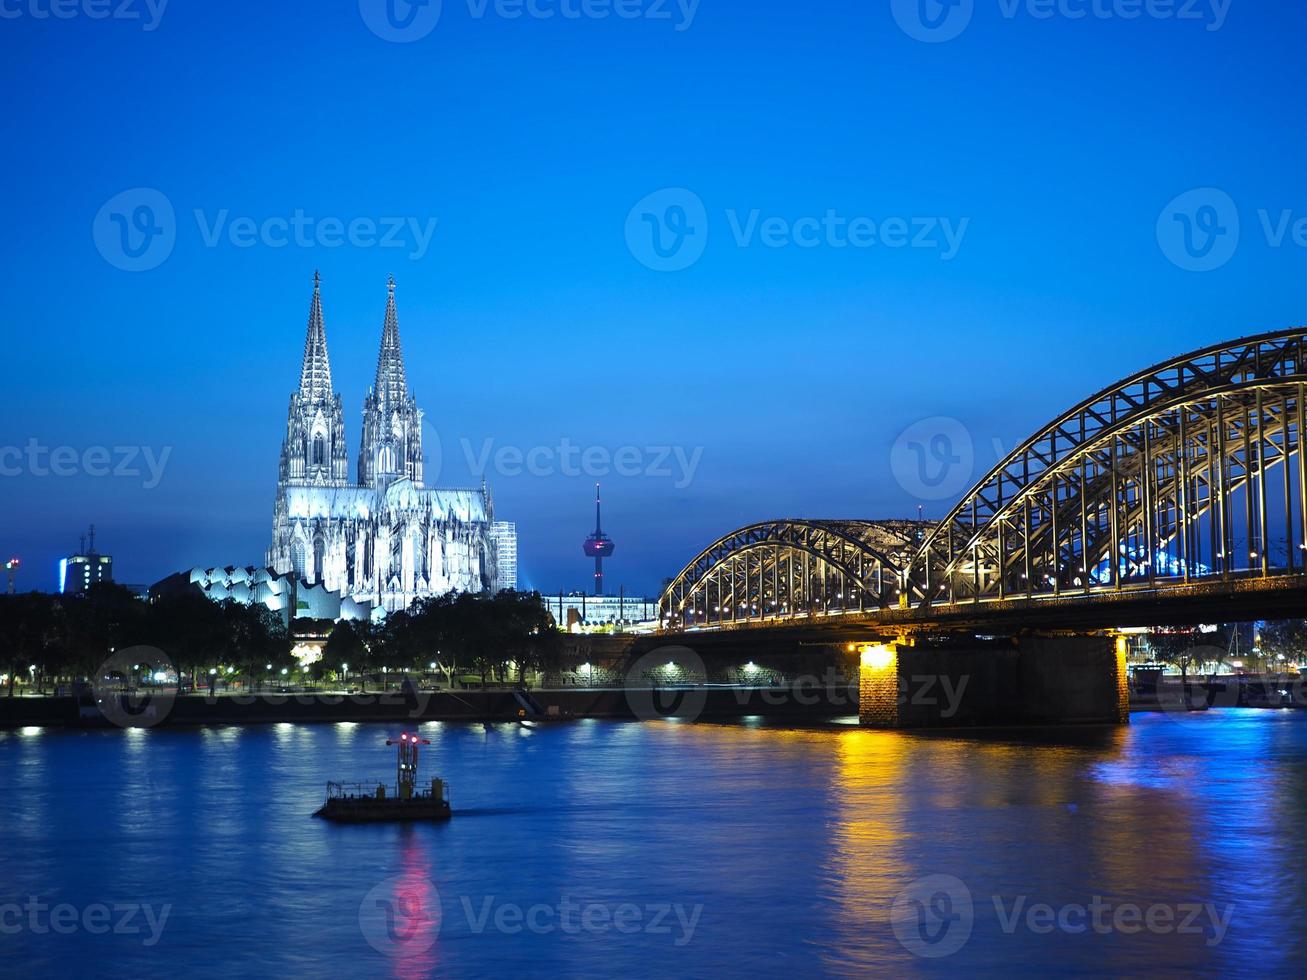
{"x":1121,"y":677}
{"x":1030,"y":680}
{"x":878,"y":685}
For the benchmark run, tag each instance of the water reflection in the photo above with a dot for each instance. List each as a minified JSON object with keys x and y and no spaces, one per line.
{"x":791,"y":843}
{"x":401,"y":917}
{"x":868,"y":864}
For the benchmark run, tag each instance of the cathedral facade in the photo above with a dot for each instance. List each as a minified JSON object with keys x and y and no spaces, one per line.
{"x":383,"y":539}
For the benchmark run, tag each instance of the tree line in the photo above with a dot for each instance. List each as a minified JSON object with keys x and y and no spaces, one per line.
{"x":46,"y":637}
{"x":503,"y":636}
{"x":54,"y":637}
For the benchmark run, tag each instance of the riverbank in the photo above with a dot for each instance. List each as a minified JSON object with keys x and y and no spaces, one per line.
{"x":418,"y":705}
{"x":686,"y":703}
{"x":1156,"y":692}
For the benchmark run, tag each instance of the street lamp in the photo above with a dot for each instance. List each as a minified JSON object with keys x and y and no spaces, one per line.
{"x":345,"y":669}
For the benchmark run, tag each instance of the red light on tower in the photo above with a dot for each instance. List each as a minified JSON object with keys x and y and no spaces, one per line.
{"x":598,"y":546}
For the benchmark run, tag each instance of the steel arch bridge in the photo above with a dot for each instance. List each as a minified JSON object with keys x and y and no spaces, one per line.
{"x":1190,"y":473}
{"x":780,"y":570}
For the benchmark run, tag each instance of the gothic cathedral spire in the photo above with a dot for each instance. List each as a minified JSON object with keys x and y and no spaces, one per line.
{"x":315,"y":374}
{"x":391,"y":385}
{"x":386,"y":540}
{"x":392,"y":423}
{"x":314,"y":449}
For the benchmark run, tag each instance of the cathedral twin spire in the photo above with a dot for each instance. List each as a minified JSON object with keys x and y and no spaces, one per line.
{"x":392,"y":423}
{"x":379,"y":539}
{"x":315,"y":375}
{"x":391,"y":387}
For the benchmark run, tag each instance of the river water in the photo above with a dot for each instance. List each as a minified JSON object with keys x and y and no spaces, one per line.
{"x":596,"y":849}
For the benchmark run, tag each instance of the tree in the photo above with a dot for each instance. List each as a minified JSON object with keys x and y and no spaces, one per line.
{"x":262,"y":642}
{"x":199,"y":635}
{"x":1286,"y":638}
{"x":105,"y":618}
{"x":482,"y":632}
{"x":191,"y":629}
{"x":29,"y":626}
{"x":399,"y":642}
{"x":1184,"y":649}
{"x":526,"y":631}
{"x":347,"y":644}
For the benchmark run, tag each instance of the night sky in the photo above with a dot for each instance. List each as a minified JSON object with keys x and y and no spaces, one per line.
{"x":769,"y":377}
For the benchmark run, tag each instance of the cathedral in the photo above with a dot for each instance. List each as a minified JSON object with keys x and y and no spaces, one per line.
{"x":385,"y":539}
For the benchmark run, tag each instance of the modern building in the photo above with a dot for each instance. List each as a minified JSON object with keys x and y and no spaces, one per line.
{"x":79,"y":572}
{"x":504,"y":534}
{"x":578,"y":612}
{"x":281,"y":593}
{"x":385,"y":539}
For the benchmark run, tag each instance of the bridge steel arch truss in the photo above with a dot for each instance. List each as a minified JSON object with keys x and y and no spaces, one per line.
{"x":791,"y":569}
{"x":1192,"y":470}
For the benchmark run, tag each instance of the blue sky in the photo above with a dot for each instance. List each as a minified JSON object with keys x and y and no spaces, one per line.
{"x":1051,"y":146}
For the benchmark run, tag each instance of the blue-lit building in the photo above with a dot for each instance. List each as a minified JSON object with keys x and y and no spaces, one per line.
{"x":79,"y":572}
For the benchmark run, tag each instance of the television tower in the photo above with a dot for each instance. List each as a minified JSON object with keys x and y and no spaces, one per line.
{"x":11,"y":566}
{"x":598,"y":546}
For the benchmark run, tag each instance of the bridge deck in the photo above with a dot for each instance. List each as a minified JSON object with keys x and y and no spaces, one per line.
{"x":1171,"y":603}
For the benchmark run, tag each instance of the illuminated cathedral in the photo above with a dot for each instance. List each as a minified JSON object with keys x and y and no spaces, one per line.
{"x":384,"y":539}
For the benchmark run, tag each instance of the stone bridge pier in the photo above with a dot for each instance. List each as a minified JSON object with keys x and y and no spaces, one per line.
{"x":1024,"y":680}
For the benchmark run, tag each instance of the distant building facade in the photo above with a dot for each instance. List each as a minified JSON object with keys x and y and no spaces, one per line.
{"x":385,"y":539}
{"x":580,"y":611}
{"x":79,"y":572}
{"x":504,"y":534}
{"x":288,"y":598}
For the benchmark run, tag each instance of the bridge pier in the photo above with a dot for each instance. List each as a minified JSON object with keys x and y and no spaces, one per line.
{"x":1027,"y":680}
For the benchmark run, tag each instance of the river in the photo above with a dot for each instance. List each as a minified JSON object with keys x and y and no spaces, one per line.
{"x":608,"y":849}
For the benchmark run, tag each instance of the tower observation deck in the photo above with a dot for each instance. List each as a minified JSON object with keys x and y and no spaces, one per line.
{"x":598,"y":546}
